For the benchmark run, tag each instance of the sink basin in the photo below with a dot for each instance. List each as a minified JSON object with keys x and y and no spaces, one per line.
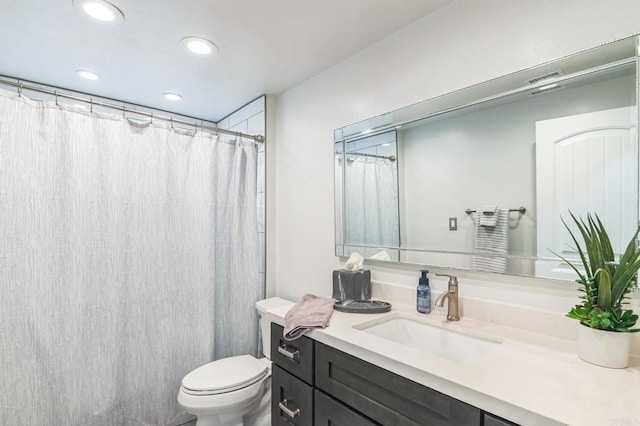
{"x":429,"y":338}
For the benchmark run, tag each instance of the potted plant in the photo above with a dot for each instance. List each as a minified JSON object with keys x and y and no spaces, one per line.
{"x":604,"y":337}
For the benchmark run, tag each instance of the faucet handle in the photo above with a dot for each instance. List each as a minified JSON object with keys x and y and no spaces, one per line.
{"x":453,"y":280}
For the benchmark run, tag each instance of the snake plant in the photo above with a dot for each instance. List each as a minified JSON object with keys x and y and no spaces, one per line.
{"x":605,"y":281}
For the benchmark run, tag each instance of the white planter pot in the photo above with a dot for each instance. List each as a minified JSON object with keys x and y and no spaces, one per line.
{"x":603,"y":348}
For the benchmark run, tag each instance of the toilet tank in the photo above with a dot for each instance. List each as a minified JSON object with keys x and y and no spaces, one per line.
{"x":265,"y":326}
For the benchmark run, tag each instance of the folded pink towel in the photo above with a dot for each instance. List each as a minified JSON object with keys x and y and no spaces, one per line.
{"x":310,"y":312}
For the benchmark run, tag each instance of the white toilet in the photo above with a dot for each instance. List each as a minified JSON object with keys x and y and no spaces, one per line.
{"x":223,"y":392}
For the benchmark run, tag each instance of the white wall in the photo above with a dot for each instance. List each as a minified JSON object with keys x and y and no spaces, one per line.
{"x":463,"y":43}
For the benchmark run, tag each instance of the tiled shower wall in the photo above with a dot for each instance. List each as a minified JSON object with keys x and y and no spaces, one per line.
{"x":251,"y":119}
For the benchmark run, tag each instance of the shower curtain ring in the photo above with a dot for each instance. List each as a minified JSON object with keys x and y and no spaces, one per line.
{"x":151,"y":121}
{"x":55,"y":93}
{"x":91,"y":105}
{"x":20,"y":90}
{"x":171,"y":120}
{"x":124,"y":110}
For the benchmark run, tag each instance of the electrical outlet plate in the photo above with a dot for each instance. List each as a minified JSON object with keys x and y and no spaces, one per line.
{"x":453,"y":224}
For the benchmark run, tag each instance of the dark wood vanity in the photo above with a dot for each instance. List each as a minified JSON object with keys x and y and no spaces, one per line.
{"x":315,"y":384}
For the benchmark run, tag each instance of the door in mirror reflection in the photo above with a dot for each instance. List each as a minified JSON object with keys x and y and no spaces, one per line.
{"x":585,"y":163}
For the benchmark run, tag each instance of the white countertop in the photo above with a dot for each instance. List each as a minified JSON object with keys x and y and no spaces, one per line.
{"x":530,"y":378}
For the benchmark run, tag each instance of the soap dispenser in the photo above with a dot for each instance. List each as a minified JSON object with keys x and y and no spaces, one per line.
{"x":423,"y":303}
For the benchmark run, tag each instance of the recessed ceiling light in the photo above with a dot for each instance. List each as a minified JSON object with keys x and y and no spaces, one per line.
{"x":199,"y":45}
{"x":89,"y":75}
{"x":366,"y":132}
{"x":100,"y":10}
{"x":173,"y":96}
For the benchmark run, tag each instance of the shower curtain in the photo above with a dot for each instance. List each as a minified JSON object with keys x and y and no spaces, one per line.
{"x":128,"y":257}
{"x":371,"y":204}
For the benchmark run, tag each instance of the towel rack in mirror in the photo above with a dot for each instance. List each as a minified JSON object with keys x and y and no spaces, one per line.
{"x":521,"y":210}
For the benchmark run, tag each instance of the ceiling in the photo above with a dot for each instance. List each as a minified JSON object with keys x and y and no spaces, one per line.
{"x":264,"y":46}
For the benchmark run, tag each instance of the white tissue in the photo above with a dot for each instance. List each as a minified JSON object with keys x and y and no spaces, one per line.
{"x":354,"y":262}
{"x":381,"y":255}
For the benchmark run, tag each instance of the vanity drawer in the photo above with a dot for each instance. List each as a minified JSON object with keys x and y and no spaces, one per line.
{"x":491,"y":420}
{"x":330,"y":412}
{"x":296,"y":357}
{"x":386,"y":397}
{"x":291,"y":400}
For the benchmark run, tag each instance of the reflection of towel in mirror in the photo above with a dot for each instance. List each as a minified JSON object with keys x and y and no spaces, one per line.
{"x":492,"y":243}
{"x":310,"y":312}
{"x":488,"y":215}
{"x":381,"y":255}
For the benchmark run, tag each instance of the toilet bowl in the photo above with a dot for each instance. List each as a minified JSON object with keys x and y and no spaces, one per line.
{"x":223,"y":392}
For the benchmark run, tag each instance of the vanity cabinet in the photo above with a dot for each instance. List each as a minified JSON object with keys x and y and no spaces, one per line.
{"x":384,"y":396}
{"x":295,"y":357}
{"x":330,"y":412}
{"x":295,"y":400}
{"x":292,"y":379}
{"x":491,"y":420}
{"x":316,"y":384}
{"x":291,"y":401}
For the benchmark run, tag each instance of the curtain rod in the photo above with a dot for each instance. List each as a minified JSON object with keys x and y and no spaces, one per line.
{"x":363,"y":154}
{"x":21,"y":86}
{"x":520,"y":210}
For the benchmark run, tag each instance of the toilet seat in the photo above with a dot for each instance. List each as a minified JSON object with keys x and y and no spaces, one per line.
{"x":225,"y":375}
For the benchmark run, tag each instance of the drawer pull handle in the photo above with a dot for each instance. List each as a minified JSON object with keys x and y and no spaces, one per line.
{"x":291,"y":413}
{"x":293,"y":355}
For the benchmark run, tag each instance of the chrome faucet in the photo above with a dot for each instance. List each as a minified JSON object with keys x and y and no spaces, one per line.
{"x":452,"y":295}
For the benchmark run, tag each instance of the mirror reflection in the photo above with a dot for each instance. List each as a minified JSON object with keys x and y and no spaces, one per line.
{"x":368,"y":171}
{"x":481,"y":183}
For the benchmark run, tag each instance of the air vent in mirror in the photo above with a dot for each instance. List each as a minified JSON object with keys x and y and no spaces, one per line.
{"x":547,"y":76}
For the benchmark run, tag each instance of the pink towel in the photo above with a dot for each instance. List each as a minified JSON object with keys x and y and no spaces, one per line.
{"x":310,"y":312}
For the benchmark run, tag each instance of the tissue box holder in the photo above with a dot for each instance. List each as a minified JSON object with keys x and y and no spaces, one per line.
{"x":351,"y":285}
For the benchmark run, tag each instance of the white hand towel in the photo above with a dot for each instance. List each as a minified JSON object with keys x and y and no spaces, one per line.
{"x":492,"y":244}
{"x":310,"y":312}
{"x":488,"y":215}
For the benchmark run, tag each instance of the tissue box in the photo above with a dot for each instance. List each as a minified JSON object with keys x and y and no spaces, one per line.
{"x":351,"y":285}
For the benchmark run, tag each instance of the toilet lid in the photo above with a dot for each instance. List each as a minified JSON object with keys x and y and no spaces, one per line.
{"x":225,"y":375}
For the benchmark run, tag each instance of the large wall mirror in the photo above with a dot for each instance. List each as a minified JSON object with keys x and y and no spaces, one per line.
{"x":480,"y":178}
